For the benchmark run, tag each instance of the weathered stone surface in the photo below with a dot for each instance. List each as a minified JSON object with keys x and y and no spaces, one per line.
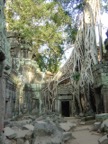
{"x":81,"y":114}
{"x":16,"y":128}
{"x":100,"y":74}
{"x":54,"y":117}
{"x":28,"y":127}
{"x":20,"y":141}
{"x":7,"y":141}
{"x":67,"y":136}
{"x":39,"y":118}
{"x":103,"y":140}
{"x":26,"y":142}
{"x":6,"y":122}
{"x":12,"y":141}
{"x":96,"y":126}
{"x":42,"y":140}
{"x":67,"y":126}
{"x":21,"y":133}
{"x":82,"y":123}
{"x":28,"y":135}
{"x":10,"y":133}
{"x":43,"y":128}
{"x":47,"y":132}
{"x":20,"y":123}
{"x":48,"y":140}
{"x":104,"y":125}
{"x":102,"y":116}
{"x":29,"y":117}
{"x":57,"y":140}
{"x":44,"y":132}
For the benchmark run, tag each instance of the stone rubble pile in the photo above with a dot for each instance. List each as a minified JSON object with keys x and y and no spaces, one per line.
{"x":101,"y":126}
{"x":46,"y":129}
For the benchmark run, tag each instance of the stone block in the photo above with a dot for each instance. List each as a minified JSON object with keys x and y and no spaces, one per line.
{"x":28,"y":127}
{"x":67,"y":126}
{"x":96,"y":126}
{"x":56,"y":140}
{"x":26,"y":142}
{"x":7,"y":141}
{"x":10,"y":133}
{"x":21,"y":134}
{"x":21,"y":123}
{"x":6,"y":122}
{"x":101,"y":116}
{"x":67,"y":136}
{"x":103,"y":140}
{"x":42,"y":140}
{"x":43,"y":128}
{"x":104,"y":125}
{"x":48,"y":140}
{"x":82,"y":123}
{"x":20,"y":141}
{"x":46,"y":132}
{"x":28,"y":135}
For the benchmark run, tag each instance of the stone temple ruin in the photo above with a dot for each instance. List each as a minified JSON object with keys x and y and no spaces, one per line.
{"x":26,"y":91}
{"x":25,"y":76}
{"x":25,"y":88}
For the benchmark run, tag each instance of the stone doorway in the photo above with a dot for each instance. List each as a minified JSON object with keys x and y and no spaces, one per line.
{"x":65,"y":108}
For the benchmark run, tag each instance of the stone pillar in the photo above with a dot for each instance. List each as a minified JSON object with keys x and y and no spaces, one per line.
{"x":56,"y":105}
{"x":40,"y":106}
{"x":59,"y":106}
{"x":104,"y":92}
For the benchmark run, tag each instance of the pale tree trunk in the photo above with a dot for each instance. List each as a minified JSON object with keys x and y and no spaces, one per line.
{"x":100,"y":35}
{"x":91,"y":11}
{"x":85,"y":50}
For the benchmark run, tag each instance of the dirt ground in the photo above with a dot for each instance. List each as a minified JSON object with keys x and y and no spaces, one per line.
{"x":82,"y":134}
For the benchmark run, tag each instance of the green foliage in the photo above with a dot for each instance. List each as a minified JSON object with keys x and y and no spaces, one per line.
{"x":72,"y":32}
{"x":40,"y":23}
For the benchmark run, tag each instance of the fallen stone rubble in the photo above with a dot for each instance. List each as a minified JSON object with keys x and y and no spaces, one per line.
{"x":101,"y":126}
{"x":46,"y":129}
{"x":51,"y":128}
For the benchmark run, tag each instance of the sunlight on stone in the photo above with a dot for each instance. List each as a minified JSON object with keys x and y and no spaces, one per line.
{"x":30,"y":76}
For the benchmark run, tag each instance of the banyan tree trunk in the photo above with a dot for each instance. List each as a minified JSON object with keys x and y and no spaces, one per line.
{"x":85,"y":49}
{"x":89,"y":22}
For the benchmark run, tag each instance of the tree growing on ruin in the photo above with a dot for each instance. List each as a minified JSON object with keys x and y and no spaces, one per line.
{"x":84,"y":55}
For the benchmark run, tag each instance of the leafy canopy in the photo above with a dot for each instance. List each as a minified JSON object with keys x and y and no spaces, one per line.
{"x":40,"y":23}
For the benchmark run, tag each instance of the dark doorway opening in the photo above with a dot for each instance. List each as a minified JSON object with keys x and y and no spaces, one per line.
{"x":65,"y":108}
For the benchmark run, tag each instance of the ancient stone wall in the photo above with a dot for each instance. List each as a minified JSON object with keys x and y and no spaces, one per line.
{"x":28,"y":75}
{"x":100,"y":72}
{"x":4,"y":65}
